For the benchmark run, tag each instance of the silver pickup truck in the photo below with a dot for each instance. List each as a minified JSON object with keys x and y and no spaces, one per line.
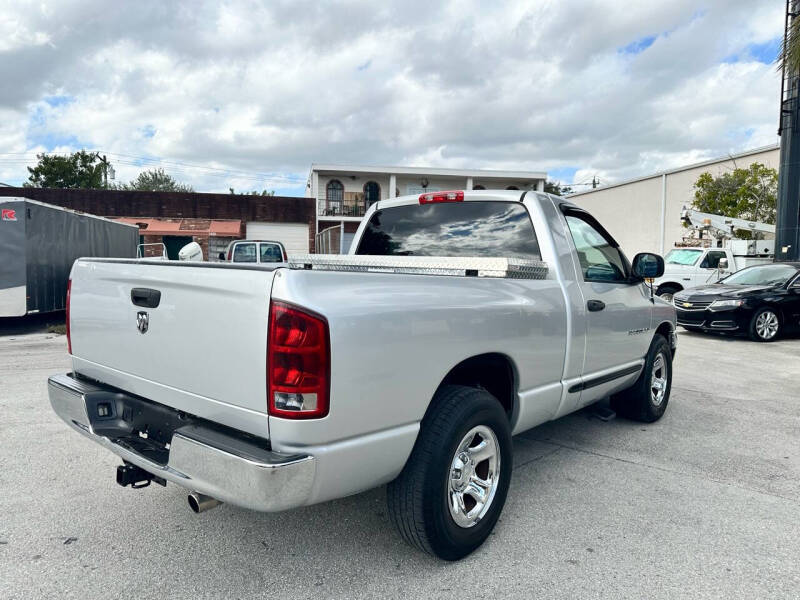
{"x":458,"y":320}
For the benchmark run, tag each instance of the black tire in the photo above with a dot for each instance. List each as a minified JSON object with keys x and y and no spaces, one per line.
{"x":668,"y":291}
{"x":759,"y":333}
{"x":418,"y":498}
{"x":640,"y":402}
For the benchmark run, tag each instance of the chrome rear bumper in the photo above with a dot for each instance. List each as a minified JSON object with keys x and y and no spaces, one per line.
{"x":212,"y":462}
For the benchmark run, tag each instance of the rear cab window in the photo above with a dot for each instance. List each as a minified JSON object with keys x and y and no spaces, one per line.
{"x":270,"y":253}
{"x":470,"y":228}
{"x":244,"y":253}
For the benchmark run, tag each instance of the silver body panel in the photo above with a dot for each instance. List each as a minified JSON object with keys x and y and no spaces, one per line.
{"x":394,"y":336}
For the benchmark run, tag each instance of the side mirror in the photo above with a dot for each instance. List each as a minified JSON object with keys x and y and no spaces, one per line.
{"x":647,"y":265}
{"x":221,"y":256}
{"x":723,"y":264}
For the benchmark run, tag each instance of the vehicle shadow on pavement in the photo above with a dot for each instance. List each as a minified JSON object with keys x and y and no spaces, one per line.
{"x":37,"y":323}
{"x":787,"y":336}
{"x":350,"y":533}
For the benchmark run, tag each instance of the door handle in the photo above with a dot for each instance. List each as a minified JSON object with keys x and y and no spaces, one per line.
{"x":595,"y":305}
{"x":145,"y":297}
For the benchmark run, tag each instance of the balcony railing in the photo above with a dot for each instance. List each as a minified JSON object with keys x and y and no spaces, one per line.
{"x":352,"y":204}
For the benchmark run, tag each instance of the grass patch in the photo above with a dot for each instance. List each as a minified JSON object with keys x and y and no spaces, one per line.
{"x":60,"y":329}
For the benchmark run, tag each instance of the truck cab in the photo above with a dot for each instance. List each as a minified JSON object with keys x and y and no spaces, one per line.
{"x":689,"y":267}
{"x":254,"y":251}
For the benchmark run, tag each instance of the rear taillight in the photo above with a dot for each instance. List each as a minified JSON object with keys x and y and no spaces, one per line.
{"x":69,"y":339}
{"x":435,"y":197}
{"x":298,"y":363}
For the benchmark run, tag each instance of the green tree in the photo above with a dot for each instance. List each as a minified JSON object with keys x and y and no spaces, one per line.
{"x":78,"y":170}
{"x":749,"y":193}
{"x":155,"y":180}
{"x":254,"y":192}
{"x":555,"y":187}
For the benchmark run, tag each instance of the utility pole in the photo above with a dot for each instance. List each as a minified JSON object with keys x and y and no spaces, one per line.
{"x":787,"y":224}
{"x":104,"y":160}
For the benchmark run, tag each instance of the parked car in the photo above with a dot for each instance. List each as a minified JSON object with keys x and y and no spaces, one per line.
{"x":254,"y":251}
{"x":686,"y":268}
{"x":458,"y":320}
{"x":759,"y":301}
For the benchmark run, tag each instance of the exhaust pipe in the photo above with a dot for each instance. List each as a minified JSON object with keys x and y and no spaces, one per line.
{"x":201,"y":503}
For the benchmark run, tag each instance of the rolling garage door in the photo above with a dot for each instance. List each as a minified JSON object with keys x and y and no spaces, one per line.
{"x":293,"y":236}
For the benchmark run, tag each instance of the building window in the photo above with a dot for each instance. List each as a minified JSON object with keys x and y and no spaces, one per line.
{"x":478,"y":187}
{"x":512,"y":187}
{"x":372,"y":193}
{"x":334,"y":197}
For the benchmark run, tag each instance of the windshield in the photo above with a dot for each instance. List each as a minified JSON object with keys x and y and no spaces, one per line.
{"x":682,"y":256}
{"x":761,"y":275}
{"x":501,"y":229}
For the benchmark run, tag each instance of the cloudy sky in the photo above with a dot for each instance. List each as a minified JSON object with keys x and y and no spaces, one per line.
{"x":248,"y":94}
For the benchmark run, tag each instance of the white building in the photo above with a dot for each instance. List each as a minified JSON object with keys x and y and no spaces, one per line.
{"x":344,"y":192}
{"x":643,"y":214}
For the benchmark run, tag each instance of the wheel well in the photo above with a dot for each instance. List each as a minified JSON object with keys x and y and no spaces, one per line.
{"x":676,"y":287}
{"x":664,"y":329}
{"x":494,"y":373}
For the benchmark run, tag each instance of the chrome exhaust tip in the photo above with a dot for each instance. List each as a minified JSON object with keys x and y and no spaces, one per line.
{"x":201,"y":503}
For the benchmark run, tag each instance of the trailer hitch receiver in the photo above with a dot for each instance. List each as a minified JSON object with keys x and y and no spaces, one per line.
{"x":131,"y":475}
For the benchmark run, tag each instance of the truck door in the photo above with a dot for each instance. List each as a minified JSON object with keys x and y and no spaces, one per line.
{"x":618,"y":311}
{"x":708,"y":271}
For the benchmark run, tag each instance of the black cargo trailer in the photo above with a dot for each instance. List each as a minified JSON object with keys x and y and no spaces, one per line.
{"x":39,"y":243}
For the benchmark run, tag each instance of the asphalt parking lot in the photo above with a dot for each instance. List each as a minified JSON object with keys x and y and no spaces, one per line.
{"x":703,"y":504}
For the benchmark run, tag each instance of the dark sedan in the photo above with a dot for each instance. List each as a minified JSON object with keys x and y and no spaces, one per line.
{"x":761,"y":301}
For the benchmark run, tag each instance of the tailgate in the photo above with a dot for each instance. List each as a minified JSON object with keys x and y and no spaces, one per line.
{"x":203,"y":349}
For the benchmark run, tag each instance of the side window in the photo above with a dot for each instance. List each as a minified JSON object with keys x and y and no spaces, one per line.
{"x":244,"y":253}
{"x":711,"y":261}
{"x":271,"y":253}
{"x":598,"y":255}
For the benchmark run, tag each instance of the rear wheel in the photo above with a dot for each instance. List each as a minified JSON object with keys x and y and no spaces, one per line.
{"x":449,"y":496}
{"x":765,"y":325}
{"x":647,"y":399}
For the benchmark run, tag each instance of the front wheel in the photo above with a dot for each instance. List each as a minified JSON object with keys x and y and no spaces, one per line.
{"x":449,"y":496}
{"x":765,"y":325}
{"x":647,"y":399}
{"x":667,"y":292}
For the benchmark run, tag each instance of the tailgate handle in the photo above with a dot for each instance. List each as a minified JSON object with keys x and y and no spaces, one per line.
{"x":145,"y":297}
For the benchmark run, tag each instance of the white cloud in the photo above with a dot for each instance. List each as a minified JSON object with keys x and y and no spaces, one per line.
{"x":605,"y":87}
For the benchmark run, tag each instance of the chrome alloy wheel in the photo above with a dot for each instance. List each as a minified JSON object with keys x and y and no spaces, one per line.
{"x":474,"y":476}
{"x":658,"y":380}
{"x":767,"y":325}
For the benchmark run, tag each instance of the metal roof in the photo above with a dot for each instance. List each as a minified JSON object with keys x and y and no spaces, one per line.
{"x":152,"y":226}
{"x":430,"y":171}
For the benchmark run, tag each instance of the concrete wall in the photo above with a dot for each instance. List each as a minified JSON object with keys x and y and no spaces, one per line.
{"x":632,"y":211}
